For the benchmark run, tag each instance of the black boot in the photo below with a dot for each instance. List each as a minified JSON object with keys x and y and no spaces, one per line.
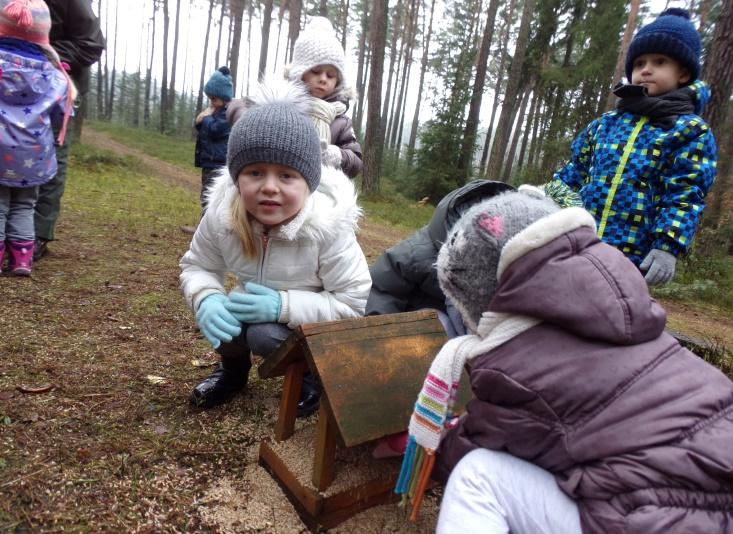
{"x":310,"y":396}
{"x":229,"y":379}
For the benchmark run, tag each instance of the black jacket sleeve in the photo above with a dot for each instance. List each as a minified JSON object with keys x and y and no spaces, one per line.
{"x":75,"y":33}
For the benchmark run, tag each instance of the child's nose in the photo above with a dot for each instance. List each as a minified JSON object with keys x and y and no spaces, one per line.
{"x":270,"y":183}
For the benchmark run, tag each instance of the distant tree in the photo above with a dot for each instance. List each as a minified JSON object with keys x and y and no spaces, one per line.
{"x":719,"y":74}
{"x":266,"y":22}
{"x":293,"y":26}
{"x":171,"y":97}
{"x":200,"y":98}
{"x":164,"y":83}
{"x":465,"y":160}
{"x":625,"y":42}
{"x":237,"y":12}
{"x":423,"y":69}
{"x":221,"y":27}
{"x":503,"y":130}
{"x":361,"y":69}
{"x":374,"y":138}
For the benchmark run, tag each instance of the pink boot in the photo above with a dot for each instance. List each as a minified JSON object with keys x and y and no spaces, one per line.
{"x":21,"y":257}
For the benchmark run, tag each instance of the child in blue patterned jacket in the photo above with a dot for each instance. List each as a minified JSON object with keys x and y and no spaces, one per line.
{"x":643,"y":169}
{"x":34,"y":92}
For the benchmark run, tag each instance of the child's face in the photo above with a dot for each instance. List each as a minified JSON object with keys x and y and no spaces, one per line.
{"x":321,"y":80}
{"x":658,"y":73}
{"x":272,"y":193}
{"x":216,"y":102}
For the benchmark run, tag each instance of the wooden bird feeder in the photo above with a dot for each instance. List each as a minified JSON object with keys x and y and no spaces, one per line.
{"x":371,"y":370}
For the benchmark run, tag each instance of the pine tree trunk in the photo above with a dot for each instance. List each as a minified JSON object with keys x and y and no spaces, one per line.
{"x":344,"y":22}
{"x":515,"y":138}
{"x":149,"y":71}
{"x":503,"y":44}
{"x":266,"y":22}
{"x":374,"y":138}
{"x":200,"y":98}
{"x":625,"y":42}
{"x":237,"y":15}
{"x":423,"y":68}
{"x":280,"y":16}
{"x":396,"y":23}
{"x":111,"y":97}
{"x":250,"y":15}
{"x":719,"y":74}
{"x":465,"y":160}
{"x":164,"y":83}
{"x":322,"y":8}
{"x":293,"y":26}
{"x":221,"y":29}
{"x":528,"y":128}
{"x":704,"y":14}
{"x":395,"y":140}
{"x":100,"y":77}
{"x":361,"y":72}
{"x":172,"y":86}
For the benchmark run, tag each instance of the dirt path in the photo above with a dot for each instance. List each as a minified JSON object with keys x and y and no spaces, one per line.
{"x":694,"y":320}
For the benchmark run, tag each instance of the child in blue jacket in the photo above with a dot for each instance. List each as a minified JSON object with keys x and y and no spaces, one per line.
{"x":643,"y":169}
{"x":213,"y":129}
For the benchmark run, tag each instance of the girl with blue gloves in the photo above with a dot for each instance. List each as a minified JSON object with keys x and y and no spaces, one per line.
{"x":285,"y":227}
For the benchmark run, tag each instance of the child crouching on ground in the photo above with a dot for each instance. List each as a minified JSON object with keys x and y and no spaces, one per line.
{"x":34,"y":92}
{"x":285,"y":227}
{"x":643,"y":170}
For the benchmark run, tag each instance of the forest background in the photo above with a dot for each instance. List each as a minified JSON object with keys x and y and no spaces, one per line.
{"x":448,"y":90}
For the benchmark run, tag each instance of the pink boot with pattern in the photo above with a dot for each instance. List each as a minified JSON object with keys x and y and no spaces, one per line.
{"x":21,"y":257}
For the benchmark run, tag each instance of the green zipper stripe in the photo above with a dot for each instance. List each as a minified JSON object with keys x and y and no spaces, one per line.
{"x":618,"y":176}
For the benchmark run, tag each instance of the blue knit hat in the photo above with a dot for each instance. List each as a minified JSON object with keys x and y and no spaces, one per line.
{"x":220,"y":85}
{"x":673,"y":35}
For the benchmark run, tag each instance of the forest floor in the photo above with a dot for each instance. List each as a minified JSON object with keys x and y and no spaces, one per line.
{"x":99,"y":353}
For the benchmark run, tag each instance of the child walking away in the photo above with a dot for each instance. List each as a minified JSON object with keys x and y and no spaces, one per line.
{"x":285,"y":227}
{"x":644,"y":169}
{"x":213,"y":129}
{"x":587,"y":417}
{"x":34,"y":92}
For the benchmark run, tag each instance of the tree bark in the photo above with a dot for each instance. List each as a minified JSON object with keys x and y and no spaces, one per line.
{"x":200,"y":98}
{"x":361,"y":71}
{"x":507,"y":109}
{"x":149,"y":72}
{"x":396,"y":19}
{"x":237,"y":15}
{"x":172,"y":88}
{"x":164,"y":83}
{"x":507,"y":173}
{"x":374,"y":138}
{"x":266,"y":22}
{"x":294,"y":25}
{"x":621,"y":61}
{"x":465,"y":160}
{"x":423,"y":68}
{"x":719,"y":74}
{"x":221,"y":29}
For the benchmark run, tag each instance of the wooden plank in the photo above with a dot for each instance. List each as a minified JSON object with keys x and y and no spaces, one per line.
{"x":372,"y":320}
{"x":309,"y":500}
{"x":372,"y":383}
{"x":285,"y":424}
{"x":289,"y":351}
{"x":325,"y":457}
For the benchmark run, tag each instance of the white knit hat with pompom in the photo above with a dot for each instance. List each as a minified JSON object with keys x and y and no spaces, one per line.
{"x":316,"y":45}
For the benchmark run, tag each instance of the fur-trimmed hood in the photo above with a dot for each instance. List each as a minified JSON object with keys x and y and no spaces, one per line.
{"x":328,"y":211}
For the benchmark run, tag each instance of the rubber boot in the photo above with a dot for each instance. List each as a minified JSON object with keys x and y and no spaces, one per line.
{"x":310,"y":396}
{"x":21,"y":257}
{"x":226,"y":381}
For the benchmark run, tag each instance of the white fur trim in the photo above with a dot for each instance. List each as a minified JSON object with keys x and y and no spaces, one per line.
{"x":541,"y":232}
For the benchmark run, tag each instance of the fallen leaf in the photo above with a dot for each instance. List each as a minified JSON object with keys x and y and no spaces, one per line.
{"x":83,"y":455}
{"x":203,"y":363}
{"x":156,"y":380}
{"x":6,"y":394}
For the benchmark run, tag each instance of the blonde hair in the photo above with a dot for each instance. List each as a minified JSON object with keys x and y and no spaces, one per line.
{"x":242,"y":227}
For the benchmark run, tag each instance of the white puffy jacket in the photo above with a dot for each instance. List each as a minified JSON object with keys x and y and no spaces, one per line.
{"x":314,"y":260}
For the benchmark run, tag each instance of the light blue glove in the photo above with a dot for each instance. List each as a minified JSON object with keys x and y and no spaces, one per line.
{"x":659,"y":267}
{"x":215,"y":321}
{"x":259,"y":304}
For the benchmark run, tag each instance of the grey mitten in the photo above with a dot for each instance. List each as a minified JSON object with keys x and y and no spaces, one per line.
{"x":332,"y":156}
{"x":659,"y":267}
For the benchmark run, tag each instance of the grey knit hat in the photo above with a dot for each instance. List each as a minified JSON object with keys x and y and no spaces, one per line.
{"x":277,"y":129}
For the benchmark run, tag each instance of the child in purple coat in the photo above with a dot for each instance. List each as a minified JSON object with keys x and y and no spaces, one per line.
{"x":34,"y":92}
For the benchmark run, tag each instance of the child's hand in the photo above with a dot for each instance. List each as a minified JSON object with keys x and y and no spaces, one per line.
{"x":205,"y":113}
{"x":216,"y":323}
{"x":659,"y":266}
{"x":259,"y":305}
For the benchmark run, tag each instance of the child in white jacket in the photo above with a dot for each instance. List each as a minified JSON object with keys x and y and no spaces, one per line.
{"x":285,"y":227}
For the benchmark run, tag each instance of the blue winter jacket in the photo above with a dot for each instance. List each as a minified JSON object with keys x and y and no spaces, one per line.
{"x":211,"y":143}
{"x":644,"y":185}
{"x":32,"y":96}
